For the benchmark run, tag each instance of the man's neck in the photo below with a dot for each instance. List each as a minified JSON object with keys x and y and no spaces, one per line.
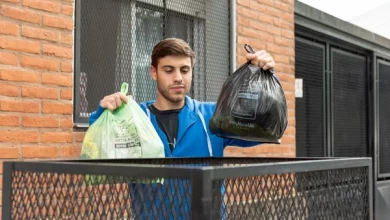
{"x":162,"y":104}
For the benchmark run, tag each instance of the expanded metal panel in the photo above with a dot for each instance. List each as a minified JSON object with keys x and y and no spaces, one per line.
{"x":117,"y":38}
{"x":309,"y":109}
{"x":188,"y":188}
{"x":384,"y":117}
{"x":97,"y":62}
{"x":350,"y":126}
{"x":217,"y":36}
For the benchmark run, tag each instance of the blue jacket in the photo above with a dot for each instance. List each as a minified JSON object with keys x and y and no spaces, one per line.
{"x":193,"y":140}
{"x":192,"y":129}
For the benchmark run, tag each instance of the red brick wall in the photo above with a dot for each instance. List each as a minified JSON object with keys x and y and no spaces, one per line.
{"x":269,"y":25}
{"x":36,"y":74}
{"x":36,"y":80}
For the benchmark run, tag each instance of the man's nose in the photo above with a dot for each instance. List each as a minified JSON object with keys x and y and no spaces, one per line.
{"x":177,"y":76}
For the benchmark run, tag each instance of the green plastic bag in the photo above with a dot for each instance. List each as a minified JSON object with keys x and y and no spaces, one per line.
{"x":124,"y":133}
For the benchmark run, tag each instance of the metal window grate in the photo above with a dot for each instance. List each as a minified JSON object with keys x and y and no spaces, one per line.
{"x":115,"y":38}
{"x":189,"y":188}
{"x":384,"y":117}
{"x":350,"y":126}
{"x":309,"y":109}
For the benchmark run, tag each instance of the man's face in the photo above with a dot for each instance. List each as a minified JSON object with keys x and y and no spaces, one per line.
{"x":173,"y":76}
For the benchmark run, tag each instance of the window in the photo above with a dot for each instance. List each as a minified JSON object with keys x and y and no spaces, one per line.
{"x":383,"y":78}
{"x":114,"y":40}
{"x":333,"y":114}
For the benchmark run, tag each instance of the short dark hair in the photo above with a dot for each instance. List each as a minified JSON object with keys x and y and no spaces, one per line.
{"x":172,"y":47}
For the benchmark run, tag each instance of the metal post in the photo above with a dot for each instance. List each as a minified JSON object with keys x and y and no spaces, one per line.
{"x":233,"y":35}
{"x":372,"y":187}
{"x":201,"y":195}
{"x":7,"y":190}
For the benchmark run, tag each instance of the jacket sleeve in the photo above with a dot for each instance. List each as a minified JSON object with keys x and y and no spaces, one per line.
{"x":95,"y":115}
{"x":240,"y":143}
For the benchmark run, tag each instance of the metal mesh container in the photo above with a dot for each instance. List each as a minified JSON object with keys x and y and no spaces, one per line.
{"x":189,"y":188}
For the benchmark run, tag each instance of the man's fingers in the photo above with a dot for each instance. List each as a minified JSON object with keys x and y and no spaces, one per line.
{"x":110,"y":106}
{"x":268,"y":57}
{"x":107,"y":105}
{"x":260,"y":61}
{"x":269,"y":65}
{"x":122,"y":96}
{"x":250,"y":56}
{"x":113,"y":101}
{"x":103,"y":104}
{"x":265,"y":60}
{"x":260,"y":53}
{"x":116,"y":100}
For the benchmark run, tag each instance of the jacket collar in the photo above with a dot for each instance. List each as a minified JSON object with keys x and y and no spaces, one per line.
{"x":189,"y":103}
{"x":187,"y":116}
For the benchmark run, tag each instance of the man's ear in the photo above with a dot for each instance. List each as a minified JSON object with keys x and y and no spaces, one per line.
{"x":153,"y":72}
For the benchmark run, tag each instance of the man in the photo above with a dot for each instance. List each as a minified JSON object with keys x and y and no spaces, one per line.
{"x":179,"y":120}
{"x":181,"y":123}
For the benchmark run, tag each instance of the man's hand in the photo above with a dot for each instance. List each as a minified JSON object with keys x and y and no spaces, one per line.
{"x":261,"y":59}
{"x":114,"y":101}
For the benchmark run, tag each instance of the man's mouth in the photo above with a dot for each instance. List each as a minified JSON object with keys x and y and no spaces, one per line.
{"x":177,"y":87}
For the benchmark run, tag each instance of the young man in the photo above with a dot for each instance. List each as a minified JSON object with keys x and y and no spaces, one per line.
{"x":181,"y":122}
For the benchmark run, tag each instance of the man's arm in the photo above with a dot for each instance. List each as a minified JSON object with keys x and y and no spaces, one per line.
{"x":240,"y":143}
{"x":96,"y":114}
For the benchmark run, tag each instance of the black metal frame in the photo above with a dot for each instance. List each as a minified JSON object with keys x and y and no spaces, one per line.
{"x":7,"y":194}
{"x":368,"y":92}
{"x":201,"y":177}
{"x":378,"y":59}
{"x":328,"y":100}
{"x":376,"y":117}
{"x":78,"y":121}
{"x":322,"y":44}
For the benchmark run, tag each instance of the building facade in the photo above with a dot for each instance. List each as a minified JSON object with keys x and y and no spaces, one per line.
{"x":51,"y":79}
{"x":59,"y":58}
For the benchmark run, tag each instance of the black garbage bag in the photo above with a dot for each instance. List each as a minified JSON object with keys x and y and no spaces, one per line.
{"x":251,"y":106}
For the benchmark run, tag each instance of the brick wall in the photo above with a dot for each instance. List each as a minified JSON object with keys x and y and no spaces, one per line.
{"x":269,"y":25}
{"x":36,"y":79}
{"x":36,"y":74}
